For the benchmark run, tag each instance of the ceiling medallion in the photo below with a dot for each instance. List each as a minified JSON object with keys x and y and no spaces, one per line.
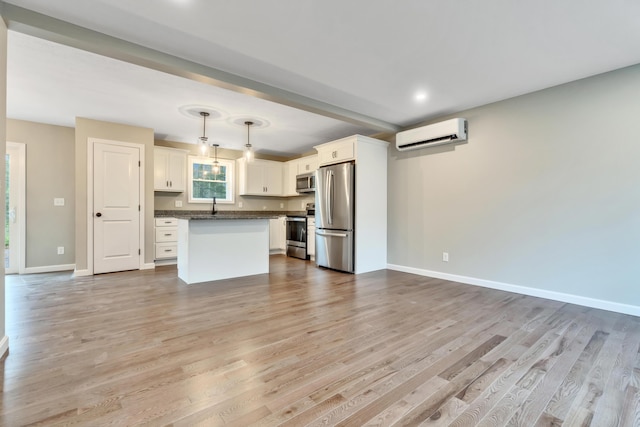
{"x":194,"y":110}
{"x":241,"y":121}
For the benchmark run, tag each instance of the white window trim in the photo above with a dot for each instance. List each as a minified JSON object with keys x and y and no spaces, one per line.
{"x":209,"y":161}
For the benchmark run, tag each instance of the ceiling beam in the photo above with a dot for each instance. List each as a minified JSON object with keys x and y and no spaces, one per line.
{"x":42,"y":26}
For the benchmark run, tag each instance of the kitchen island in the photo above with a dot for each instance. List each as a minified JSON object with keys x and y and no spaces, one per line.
{"x":221,"y":246}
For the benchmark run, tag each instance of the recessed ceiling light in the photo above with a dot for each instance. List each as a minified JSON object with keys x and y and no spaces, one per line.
{"x":420,"y":96}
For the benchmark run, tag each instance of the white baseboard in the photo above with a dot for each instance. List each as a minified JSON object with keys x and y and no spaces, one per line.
{"x":81,"y":273}
{"x":148,"y":266}
{"x":170,"y":261}
{"x":524,"y":290}
{"x":49,"y":268}
{"x":4,"y":346}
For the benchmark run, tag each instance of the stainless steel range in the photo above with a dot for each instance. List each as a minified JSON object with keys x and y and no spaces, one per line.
{"x":297,"y":233}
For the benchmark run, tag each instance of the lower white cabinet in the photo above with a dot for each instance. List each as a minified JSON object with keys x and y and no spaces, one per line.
{"x":166,"y":238}
{"x":311,"y":237}
{"x":277,"y":235}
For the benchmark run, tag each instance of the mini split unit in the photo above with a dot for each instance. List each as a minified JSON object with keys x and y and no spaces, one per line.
{"x":454,"y":130}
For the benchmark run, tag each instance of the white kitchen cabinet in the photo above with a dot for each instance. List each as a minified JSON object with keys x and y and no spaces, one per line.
{"x":260,"y":178}
{"x":169,"y":169}
{"x":166,"y":239}
{"x":338,"y":151}
{"x":289,"y":173}
{"x":277,"y":235}
{"x":311,"y":237}
{"x":295,"y":167}
{"x":307,"y":164}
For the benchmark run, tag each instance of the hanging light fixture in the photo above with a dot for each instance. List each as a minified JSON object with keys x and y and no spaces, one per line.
{"x":203,"y":139}
{"x":248,"y":149}
{"x":215,"y":169}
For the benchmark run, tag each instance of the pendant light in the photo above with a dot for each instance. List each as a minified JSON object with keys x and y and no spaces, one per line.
{"x":249,"y":155}
{"x":215,"y":169}
{"x":203,"y":139}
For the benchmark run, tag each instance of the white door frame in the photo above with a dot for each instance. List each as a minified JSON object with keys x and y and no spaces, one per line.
{"x":22,"y":196}
{"x":90,"y":149}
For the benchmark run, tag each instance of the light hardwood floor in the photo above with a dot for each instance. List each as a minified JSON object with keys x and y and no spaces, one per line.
{"x":306,"y":346}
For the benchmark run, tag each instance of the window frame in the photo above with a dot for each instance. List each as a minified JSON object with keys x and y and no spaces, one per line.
{"x":229,"y":164}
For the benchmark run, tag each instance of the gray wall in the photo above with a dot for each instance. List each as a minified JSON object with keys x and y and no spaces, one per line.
{"x":3,"y":149}
{"x":545,"y":194}
{"x":166,"y":201}
{"x":50,"y":173}
{"x":85,"y":129}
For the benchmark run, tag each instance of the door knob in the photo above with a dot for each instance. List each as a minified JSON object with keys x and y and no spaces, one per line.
{"x":98,"y":214}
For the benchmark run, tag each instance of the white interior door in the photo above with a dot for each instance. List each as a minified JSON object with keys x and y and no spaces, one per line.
{"x":15,"y":207}
{"x":116,"y":208}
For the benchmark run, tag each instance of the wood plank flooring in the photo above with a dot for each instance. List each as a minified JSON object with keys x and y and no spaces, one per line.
{"x":307,"y":346}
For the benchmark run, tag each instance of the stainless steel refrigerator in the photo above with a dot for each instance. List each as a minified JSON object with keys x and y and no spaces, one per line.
{"x":334,"y":217}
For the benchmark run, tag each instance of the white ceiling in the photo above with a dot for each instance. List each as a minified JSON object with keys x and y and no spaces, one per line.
{"x":367,"y":57}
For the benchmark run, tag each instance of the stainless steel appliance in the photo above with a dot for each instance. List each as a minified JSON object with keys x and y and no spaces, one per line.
{"x":334,"y":217}
{"x":306,"y":182}
{"x":297,"y":238}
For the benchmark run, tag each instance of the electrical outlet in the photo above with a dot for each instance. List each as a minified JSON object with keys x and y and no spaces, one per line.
{"x":281,"y":205}
{"x":445,"y":256}
{"x":240,"y":204}
{"x":58,"y":201}
{"x":264,"y":208}
{"x":60,"y":250}
{"x":178,"y":203}
{"x":304,"y":206}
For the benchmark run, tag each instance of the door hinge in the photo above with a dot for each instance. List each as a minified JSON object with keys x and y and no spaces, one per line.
{"x":139,"y":164}
{"x":138,"y":208}
{"x":138,"y":251}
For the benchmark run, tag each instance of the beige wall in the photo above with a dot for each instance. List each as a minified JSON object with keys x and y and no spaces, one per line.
{"x":50,"y":173}
{"x":544,"y":195}
{"x":166,"y":201}
{"x":88,"y":128}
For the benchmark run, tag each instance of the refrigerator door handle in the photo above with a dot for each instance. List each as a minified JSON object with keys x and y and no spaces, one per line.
{"x":324,"y":233}
{"x":329,"y":197}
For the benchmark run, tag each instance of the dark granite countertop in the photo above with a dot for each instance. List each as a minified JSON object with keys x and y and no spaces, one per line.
{"x":221,"y":215}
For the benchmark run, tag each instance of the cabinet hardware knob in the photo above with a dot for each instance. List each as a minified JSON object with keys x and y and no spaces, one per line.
{"x":98,"y":214}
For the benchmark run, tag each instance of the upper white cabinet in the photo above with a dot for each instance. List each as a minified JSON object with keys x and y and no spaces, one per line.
{"x":307,"y":164}
{"x":260,"y":178}
{"x":296,"y":167}
{"x":169,"y":169}
{"x":289,"y":172}
{"x":338,"y":151}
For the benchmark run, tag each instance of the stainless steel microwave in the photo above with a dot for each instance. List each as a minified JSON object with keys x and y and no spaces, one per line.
{"x":306,"y":183}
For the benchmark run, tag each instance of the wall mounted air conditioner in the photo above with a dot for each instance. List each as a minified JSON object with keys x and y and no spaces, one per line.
{"x":446,"y":132}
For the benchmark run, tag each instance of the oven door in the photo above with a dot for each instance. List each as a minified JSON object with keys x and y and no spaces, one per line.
{"x":297,"y":237}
